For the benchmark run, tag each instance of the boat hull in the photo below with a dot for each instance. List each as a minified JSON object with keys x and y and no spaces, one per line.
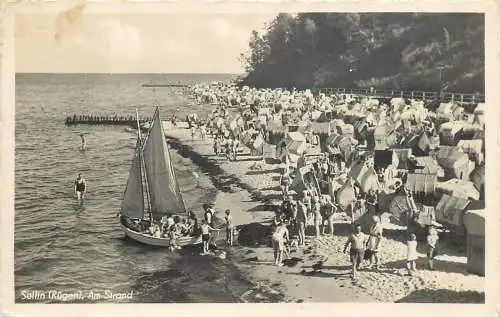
{"x":159,"y":242}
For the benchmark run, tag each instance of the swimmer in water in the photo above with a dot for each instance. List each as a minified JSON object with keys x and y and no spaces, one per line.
{"x":84,"y":142}
{"x":80,"y":187}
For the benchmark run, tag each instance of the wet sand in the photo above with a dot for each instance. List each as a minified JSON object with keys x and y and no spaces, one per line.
{"x":250,"y":195}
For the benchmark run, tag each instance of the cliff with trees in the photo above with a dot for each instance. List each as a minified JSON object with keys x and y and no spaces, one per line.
{"x":406,"y":51}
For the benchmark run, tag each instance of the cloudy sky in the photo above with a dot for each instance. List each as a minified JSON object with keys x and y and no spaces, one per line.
{"x":178,"y":43}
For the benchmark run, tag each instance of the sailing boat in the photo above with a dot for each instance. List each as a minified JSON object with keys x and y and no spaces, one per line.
{"x":152,"y":190}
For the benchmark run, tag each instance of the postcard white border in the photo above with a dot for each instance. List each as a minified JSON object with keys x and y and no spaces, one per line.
{"x":7,"y":306}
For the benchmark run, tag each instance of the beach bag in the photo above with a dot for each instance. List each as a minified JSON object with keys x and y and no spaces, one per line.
{"x":327,"y":211}
{"x":368,"y":254}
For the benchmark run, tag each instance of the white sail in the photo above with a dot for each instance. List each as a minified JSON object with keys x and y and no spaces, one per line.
{"x":164,"y":193}
{"x":133,"y":198}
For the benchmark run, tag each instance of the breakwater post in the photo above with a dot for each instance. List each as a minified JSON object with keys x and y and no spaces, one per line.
{"x":130,"y":121}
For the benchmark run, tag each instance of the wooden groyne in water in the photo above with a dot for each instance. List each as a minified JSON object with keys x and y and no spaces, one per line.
{"x":130,"y":121}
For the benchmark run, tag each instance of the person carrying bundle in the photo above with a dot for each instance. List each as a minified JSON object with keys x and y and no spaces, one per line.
{"x":279,"y":238}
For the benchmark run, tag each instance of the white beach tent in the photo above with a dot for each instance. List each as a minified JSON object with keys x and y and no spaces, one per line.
{"x":450,"y":210}
{"x":294,"y":146}
{"x":397,"y":102}
{"x":480,"y":108}
{"x":455,"y":162}
{"x":449,"y":131}
{"x":473,"y":148}
{"x":479,"y":114}
{"x":445,"y":108}
{"x":458,"y":187}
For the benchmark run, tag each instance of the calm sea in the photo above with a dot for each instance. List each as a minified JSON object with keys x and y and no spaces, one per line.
{"x":61,"y":246}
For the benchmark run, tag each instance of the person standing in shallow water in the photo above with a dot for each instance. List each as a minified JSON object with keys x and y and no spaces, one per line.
{"x":205,"y":235}
{"x":80,"y":187}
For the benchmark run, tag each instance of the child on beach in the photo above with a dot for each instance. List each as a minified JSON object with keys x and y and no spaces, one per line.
{"x":203,"y":132}
{"x":209,"y":214}
{"x":205,"y":235}
{"x":229,"y":148}
{"x":300,"y":221}
{"x":411,"y":254}
{"x":234,"y":149}
{"x":432,"y":243}
{"x":306,"y":198}
{"x":217,"y":145}
{"x":193,"y":132}
{"x":229,"y":227}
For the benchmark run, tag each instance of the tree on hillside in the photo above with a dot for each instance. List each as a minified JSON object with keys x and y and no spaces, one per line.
{"x":387,"y":50}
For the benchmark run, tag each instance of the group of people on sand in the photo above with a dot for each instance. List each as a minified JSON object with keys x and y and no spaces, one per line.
{"x":227,"y":146}
{"x":367,"y":247}
{"x":315,"y":205}
{"x":310,"y":207}
{"x":295,"y":215}
{"x":208,"y":225}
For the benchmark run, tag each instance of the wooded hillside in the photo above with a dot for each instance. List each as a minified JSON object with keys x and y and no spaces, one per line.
{"x":383,"y":50}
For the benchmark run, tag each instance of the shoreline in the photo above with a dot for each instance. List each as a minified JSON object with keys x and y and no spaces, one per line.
{"x":249,"y":195}
{"x":253,"y":213}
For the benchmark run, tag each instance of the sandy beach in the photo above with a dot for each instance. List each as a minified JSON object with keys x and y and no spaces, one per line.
{"x":250,"y":194}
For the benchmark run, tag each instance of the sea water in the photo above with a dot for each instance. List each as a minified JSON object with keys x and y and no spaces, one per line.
{"x":67,"y":252}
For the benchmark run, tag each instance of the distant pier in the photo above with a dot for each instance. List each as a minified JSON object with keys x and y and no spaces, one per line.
{"x":130,"y":121}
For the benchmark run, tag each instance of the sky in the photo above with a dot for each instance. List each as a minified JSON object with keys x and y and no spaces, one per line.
{"x":76,"y":42}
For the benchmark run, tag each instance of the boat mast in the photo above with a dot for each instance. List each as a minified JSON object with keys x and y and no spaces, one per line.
{"x":150,"y":128}
{"x":143,"y":167}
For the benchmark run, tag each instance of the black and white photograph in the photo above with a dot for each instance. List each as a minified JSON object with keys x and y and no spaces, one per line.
{"x":259,"y":157}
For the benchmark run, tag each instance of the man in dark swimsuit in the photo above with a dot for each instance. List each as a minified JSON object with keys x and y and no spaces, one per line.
{"x":80,"y":187}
